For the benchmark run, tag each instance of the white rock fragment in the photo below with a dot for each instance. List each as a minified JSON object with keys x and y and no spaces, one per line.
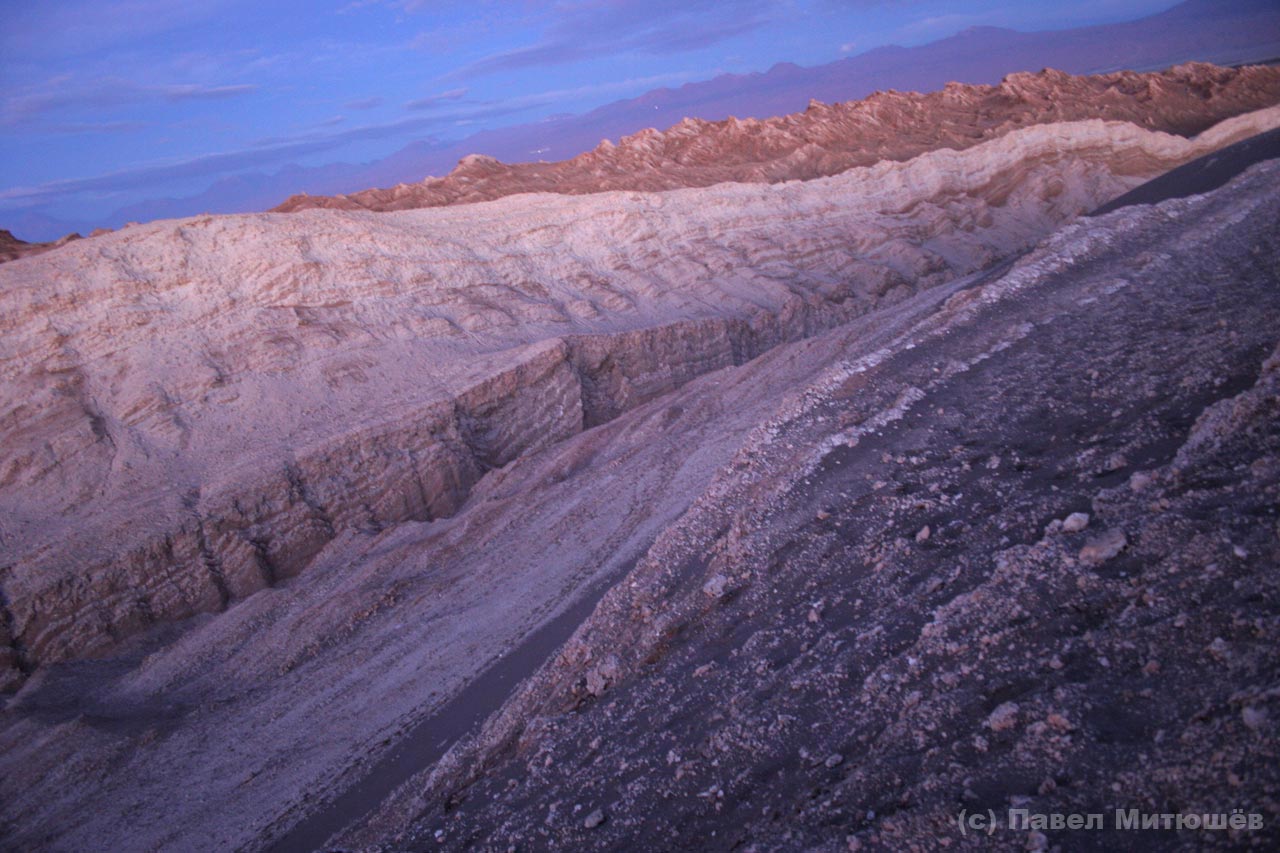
{"x":1103,"y":547}
{"x":716,"y":587}
{"x":1075,"y":522}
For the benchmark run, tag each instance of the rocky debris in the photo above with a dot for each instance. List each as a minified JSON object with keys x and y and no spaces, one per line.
{"x":1023,"y":680}
{"x":829,"y":139}
{"x":200,"y":407}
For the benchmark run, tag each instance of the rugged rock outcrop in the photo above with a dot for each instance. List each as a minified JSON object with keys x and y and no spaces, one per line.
{"x":828,"y":139}
{"x":11,"y":248}
{"x":196,"y":408}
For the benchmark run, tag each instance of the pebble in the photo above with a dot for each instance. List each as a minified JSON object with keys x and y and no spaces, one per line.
{"x":923,"y":535}
{"x":594,"y":819}
{"x":835,"y":759}
{"x":716,"y":587}
{"x":1140,"y":480}
{"x":1075,"y":522}
{"x":1253,"y":717}
{"x":1103,"y":547}
{"x":1005,"y":716}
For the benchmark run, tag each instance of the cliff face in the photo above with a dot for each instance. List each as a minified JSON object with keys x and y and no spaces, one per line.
{"x":820,"y":599}
{"x":198,"y":407}
{"x":828,"y":139}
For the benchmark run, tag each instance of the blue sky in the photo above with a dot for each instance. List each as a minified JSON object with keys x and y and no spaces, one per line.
{"x":105,"y":101}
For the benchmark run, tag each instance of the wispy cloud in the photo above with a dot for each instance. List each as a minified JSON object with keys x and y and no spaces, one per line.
{"x":73,"y":27}
{"x":363,"y":104}
{"x":73,"y":128}
{"x":436,"y":101}
{"x":280,"y":149}
{"x":60,"y":94}
{"x":587,"y":29}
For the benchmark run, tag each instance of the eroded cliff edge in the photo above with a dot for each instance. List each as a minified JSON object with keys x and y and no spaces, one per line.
{"x":199,"y":406}
{"x":828,"y":139}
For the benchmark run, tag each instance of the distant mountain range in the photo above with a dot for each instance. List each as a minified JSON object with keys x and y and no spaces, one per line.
{"x":1220,"y":31}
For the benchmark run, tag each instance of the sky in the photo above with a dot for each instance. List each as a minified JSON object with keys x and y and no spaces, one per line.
{"x":108,"y":101}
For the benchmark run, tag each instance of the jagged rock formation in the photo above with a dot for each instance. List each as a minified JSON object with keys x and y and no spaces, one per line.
{"x":11,"y":248}
{"x":828,"y":139}
{"x":199,"y":406}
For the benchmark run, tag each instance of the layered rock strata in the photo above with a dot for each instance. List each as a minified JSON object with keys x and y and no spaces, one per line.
{"x":197,"y":407}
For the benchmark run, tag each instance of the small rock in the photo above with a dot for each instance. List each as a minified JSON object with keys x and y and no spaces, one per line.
{"x":1037,"y":841}
{"x":1241,"y":553}
{"x":1140,"y":480}
{"x":1116,"y":461}
{"x":835,"y":759}
{"x":1059,"y":722}
{"x":1075,"y":522}
{"x":602,"y":675}
{"x":716,"y":587}
{"x":1103,"y":547}
{"x":823,"y":515}
{"x":923,"y":535}
{"x":1003,"y":717}
{"x":1254,"y":718}
{"x":594,"y":819}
